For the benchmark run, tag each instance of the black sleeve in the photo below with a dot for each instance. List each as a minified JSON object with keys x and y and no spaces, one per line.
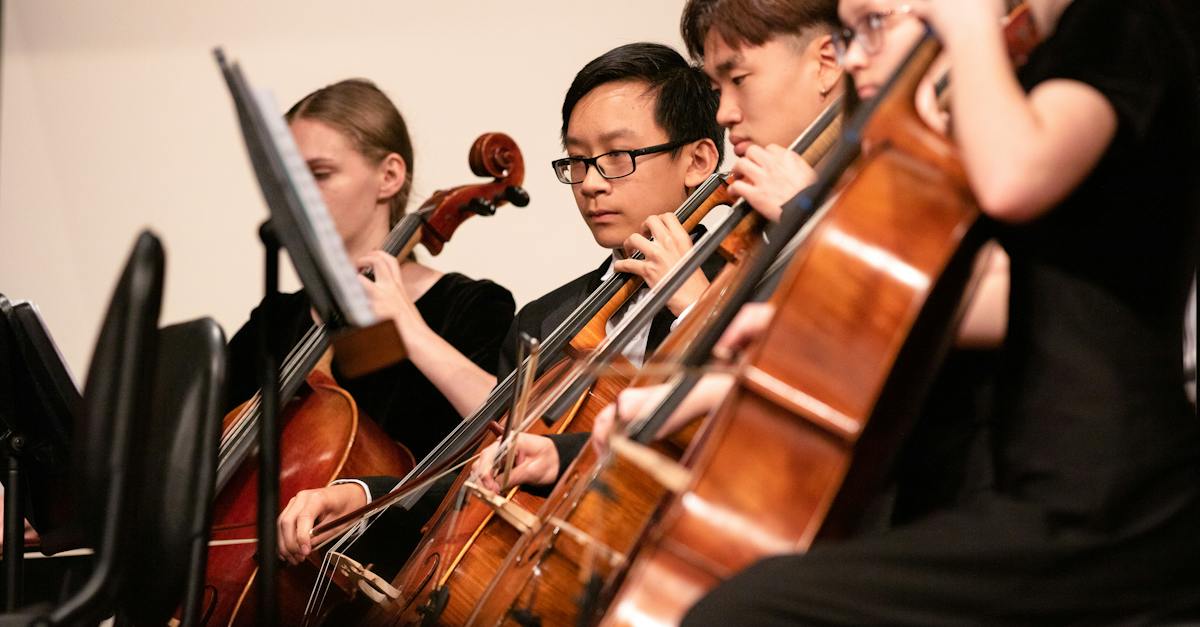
{"x":290,"y":320}
{"x":1120,"y":49}
{"x":568,"y":446}
{"x":379,"y":486}
{"x":390,"y":540}
{"x":477,"y":321}
{"x":241,"y":355}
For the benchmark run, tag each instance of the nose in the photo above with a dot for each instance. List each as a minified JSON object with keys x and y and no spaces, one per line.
{"x":728,"y":113}
{"x":593,"y":183}
{"x":855,"y":59}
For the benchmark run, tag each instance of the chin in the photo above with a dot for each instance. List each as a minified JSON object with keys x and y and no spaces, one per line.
{"x":608,"y":237}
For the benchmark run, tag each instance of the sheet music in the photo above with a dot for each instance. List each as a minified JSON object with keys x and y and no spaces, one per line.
{"x":336,"y":263}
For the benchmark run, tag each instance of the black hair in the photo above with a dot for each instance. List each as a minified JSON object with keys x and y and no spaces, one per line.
{"x":685,"y":105}
{"x":753,"y":22}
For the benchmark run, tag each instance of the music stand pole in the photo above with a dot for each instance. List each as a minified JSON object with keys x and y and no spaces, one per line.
{"x":268,"y":454}
{"x":14,"y":523}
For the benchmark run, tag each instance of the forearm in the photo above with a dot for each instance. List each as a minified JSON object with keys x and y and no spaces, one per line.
{"x":459,"y":379}
{"x":985,"y":321}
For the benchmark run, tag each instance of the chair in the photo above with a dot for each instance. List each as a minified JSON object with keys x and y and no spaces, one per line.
{"x":179,"y":464}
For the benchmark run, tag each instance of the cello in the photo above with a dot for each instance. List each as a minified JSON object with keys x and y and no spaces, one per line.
{"x":323,"y":436}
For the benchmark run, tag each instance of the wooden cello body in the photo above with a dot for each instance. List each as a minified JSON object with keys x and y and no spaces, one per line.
{"x":323,"y":435}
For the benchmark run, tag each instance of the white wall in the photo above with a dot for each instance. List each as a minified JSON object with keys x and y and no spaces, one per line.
{"x":114,"y":117}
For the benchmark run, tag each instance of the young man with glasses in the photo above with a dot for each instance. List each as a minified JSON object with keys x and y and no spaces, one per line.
{"x":639,"y":129}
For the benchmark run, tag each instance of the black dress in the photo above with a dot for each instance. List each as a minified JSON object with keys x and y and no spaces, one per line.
{"x":1095,"y":516}
{"x":472,"y":315}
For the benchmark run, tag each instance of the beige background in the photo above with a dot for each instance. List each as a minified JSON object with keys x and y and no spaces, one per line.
{"x":114,"y":118}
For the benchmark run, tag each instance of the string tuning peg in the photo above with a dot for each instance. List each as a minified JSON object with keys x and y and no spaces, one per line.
{"x":481,"y":207}
{"x":516,"y":195}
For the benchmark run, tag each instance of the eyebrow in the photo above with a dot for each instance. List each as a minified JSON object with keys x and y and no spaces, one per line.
{"x":725,"y":67}
{"x":604,"y":137}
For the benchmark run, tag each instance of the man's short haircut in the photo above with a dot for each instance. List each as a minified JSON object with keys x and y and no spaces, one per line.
{"x":753,"y":22}
{"x":685,"y":105}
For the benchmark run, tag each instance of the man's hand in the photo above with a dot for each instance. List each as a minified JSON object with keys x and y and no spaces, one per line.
{"x":670,"y":243}
{"x":536,"y":463}
{"x":310,"y":507}
{"x":769,"y":177}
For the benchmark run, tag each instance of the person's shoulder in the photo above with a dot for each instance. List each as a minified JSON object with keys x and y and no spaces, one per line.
{"x":572,"y":292}
{"x":463,"y":286}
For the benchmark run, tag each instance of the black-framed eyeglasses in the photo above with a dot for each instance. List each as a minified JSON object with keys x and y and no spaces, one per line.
{"x":868,"y":32}
{"x":610,"y":165}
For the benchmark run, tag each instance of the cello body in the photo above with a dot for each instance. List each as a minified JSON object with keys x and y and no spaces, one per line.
{"x":323,"y":438}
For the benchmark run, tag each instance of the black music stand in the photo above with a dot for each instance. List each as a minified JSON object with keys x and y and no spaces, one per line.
{"x":36,"y":422}
{"x":300,"y":223}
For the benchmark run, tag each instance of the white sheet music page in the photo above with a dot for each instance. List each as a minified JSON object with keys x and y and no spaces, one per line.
{"x":349,"y":292}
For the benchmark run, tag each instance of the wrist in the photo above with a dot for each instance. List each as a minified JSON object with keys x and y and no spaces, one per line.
{"x":688,"y":294}
{"x":412,"y":328}
{"x":350,"y":496}
{"x":969,"y":35}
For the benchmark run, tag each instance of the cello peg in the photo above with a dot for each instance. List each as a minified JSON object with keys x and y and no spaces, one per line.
{"x":516,"y":195}
{"x":481,"y":207}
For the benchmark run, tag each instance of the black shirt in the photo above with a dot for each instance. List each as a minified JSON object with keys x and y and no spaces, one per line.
{"x":1092,"y":421}
{"x":471,"y":315}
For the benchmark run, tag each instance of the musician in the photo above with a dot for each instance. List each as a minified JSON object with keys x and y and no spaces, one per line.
{"x":1087,"y":158}
{"x":775,"y":70}
{"x":358,"y":149}
{"x":639,"y":97}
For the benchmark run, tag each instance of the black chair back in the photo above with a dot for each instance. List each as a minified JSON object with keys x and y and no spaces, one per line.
{"x":178,"y":465}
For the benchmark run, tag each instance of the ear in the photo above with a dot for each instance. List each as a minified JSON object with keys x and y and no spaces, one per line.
{"x":393,"y":172}
{"x":702,"y":162}
{"x":829,"y":71}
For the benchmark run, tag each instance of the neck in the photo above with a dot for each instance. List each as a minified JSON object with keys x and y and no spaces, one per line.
{"x":367,"y":240}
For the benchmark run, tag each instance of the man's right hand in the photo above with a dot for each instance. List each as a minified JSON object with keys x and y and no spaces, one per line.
{"x":536,"y":463}
{"x":307,"y":509}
